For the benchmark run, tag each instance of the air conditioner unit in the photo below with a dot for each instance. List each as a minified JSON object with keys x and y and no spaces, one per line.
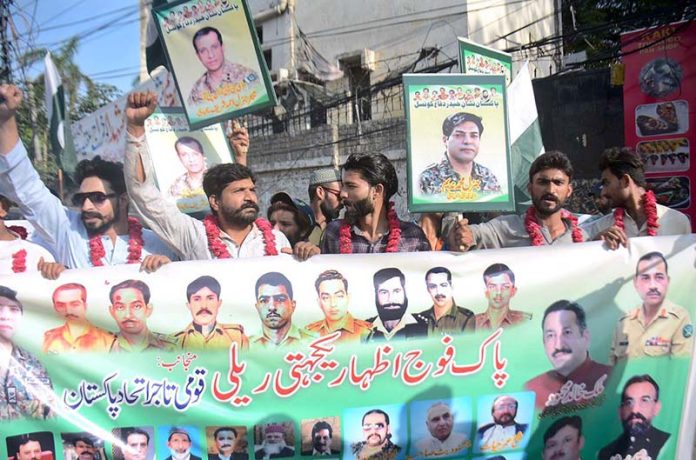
{"x":280,"y":75}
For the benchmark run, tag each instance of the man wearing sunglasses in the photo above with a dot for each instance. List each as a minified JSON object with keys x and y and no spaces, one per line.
{"x":325,"y":199}
{"x":100,"y":234}
{"x":234,"y":229}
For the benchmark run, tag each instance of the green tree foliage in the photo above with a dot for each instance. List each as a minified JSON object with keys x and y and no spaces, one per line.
{"x":595,"y":26}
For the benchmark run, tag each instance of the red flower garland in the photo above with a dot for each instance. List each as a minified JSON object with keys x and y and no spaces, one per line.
{"x":19,"y":230}
{"x":135,"y":244}
{"x":345,"y":243}
{"x":531,"y":224}
{"x":649,"y":207}
{"x":218,"y":248}
{"x":19,"y":261}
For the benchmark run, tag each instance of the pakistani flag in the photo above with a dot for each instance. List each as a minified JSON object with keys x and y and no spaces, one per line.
{"x":59,"y":134}
{"x":525,"y":133}
{"x":154,"y":51}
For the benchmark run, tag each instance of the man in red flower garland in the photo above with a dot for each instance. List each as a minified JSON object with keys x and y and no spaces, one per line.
{"x":232,"y":230}
{"x":636,"y":213}
{"x":370,"y":224}
{"x":17,"y":255}
{"x":544,"y":223}
{"x":102,"y":233}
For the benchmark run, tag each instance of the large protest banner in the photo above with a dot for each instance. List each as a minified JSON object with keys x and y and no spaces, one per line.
{"x":514,"y":391}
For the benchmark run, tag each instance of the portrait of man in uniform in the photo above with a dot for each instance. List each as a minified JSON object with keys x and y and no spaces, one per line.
{"x":77,"y":334}
{"x":20,"y":371}
{"x":229,"y":444}
{"x":130,"y":308}
{"x":392,"y":318}
{"x":640,"y":404}
{"x":445,"y":316}
{"x":275,"y":306}
{"x":504,"y":432}
{"x":334,"y":301}
{"x":209,"y":48}
{"x":575,"y":378}
{"x":658,"y":327}
{"x":563,"y":439}
{"x":192,"y":157}
{"x":500,"y":289}
{"x":82,"y":446}
{"x":442,"y":440}
{"x":377,"y":436}
{"x":204,"y":331}
{"x":461,"y":136}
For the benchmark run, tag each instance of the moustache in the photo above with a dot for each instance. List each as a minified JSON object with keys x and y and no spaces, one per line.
{"x":637,"y":416}
{"x":549,"y":197}
{"x":654,"y":291}
{"x":440,"y":297}
{"x":273,"y":315}
{"x":558,"y":351}
{"x":249,"y":205}
{"x":392,"y":305}
{"x":89,"y":214}
{"x":204,"y":310}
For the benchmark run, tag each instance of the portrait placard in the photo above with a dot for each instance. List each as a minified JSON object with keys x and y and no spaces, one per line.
{"x":181,"y":157}
{"x":475,"y":59}
{"x":458,"y":148}
{"x":214,"y":54}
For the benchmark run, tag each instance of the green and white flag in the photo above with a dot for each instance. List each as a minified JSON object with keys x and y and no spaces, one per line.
{"x":59,"y":132}
{"x":525,"y":132}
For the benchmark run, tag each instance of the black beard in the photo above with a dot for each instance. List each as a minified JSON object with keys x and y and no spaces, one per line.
{"x":546,"y":212}
{"x":392,"y":314}
{"x":637,"y":429}
{"x":354,"y":211}
{"x":106,"y":224}
{"x":236,"y":217}
{"x":329,"y":213}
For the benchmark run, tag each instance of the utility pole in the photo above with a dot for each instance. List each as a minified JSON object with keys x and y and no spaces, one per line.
{"x":5,"y":68}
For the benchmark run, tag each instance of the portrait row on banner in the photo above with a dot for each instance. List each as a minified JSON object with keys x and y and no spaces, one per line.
{"x":518,"y":353}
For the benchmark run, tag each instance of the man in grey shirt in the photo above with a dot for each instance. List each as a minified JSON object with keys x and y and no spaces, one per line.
{"x":545,"y":223}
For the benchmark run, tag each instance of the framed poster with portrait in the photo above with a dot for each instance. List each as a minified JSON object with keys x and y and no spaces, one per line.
{"x":475,"y":59}
{"x":458,"y":147}
{"x":214,"y":54}
{"x":181,"y":157}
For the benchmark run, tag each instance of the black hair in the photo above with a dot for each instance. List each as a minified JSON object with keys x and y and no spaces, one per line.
{"x":205,"y":31}
{"x":567,"y":305}
{"x":330,"y":275}
{"x":322,"y":425}
{"x":650,"y":256}
{"x":640,"y":379}
{"x":375,"y":169}
{"x":376,"y":411}
{"x":498,"y":269}
{"x":201,"y":282}
{"x":436,"y":270}
{"x":220,"y":176}
{"x":225,"y":428}
{"x":573,"y":421}
{"x":385,"y":274}
{"x":108,"y":171}
{"x":551,"y":160}
{"x":188,"y":140}
{"x":131,"y":284}
{"x":623,"y":160}
{"x":11,"y":294}
{"x":274,"y":279}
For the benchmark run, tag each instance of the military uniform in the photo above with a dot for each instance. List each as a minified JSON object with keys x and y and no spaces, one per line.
{"x":669,"y":333}
{"x":233,"y":73}
{"x":59,"y":340}
{"x":221,"y":337}
{"x":435,"y":175}
{"x":16,"y":401}
{"x":389,"y":451}
{"x":625,"y":445}
{"x":456,"y":321}
{"x":550,"y":383}
{"x":351,"y":328}
{"x":410,"y":327}
{"x":294,"y":337}
{"x":155,"y":341}
{"x":512,"y":317}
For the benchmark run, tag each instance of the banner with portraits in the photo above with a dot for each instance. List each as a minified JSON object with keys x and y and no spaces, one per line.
{"x":458,"y":156}
{"x":181,"y":157}
{"x":476,"y":59}
{"x":214,"y":54}
{"x":572,"y":351}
